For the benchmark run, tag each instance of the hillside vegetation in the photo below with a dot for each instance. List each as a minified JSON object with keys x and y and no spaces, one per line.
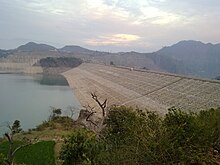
{"x":60,"y":62}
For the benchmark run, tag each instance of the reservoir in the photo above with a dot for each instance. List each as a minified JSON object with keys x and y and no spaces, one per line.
{"x":30,"y":98}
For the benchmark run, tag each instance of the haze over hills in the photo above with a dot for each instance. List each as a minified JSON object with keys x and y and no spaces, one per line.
{"x":192,"y":58}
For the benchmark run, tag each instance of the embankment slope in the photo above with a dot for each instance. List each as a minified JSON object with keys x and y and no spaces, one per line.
{"x":154,"y":91}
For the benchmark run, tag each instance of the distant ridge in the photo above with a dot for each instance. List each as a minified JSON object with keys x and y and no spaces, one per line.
{"x":189,"y":50}
{"x":188,"y":57}
{"x":4,"y":53}
{"x":75,"y":49}
{"x":199,"y":59}
{"x":34,"y":47}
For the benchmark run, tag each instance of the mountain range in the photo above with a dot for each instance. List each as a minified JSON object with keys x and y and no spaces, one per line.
{"x":192,"y":58}
{"x":198,"y":59}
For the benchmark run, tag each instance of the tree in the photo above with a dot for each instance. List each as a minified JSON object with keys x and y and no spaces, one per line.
{"x":90,"y":118}
{"x":72,"y":110}
{"x":112,"y":63}
{"x":101,"y":105}
{"x":16,"y":127}
{"x":55,"y":112}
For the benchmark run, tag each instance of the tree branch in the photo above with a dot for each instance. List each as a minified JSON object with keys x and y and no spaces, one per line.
{"x":101,"y":105}
{"x":87,"y":118}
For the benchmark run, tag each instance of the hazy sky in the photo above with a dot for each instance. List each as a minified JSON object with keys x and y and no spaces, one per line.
{"x":110,"y":25}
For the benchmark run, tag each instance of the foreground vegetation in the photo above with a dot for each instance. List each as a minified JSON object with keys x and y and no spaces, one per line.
{"x":134,"y":137}
{"x":129,"y":136}
{"x":36,"y":146}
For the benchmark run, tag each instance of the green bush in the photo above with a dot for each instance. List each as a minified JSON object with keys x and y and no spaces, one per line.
{"x":3,"y":159}
{"x":185,"y":137}
{"x":81,"y":147}
{"x":210,"y":122}
{"x":128,"y":134}
{"x":133,"y":137}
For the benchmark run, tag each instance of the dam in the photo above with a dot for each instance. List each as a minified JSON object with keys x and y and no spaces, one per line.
{"x":20,"y":64}
{"x":145,"y":89}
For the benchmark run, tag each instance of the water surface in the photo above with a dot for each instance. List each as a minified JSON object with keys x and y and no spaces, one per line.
{"x":28,"y":98}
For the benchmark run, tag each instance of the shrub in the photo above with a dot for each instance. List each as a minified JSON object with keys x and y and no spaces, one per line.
{"x":3,"y":159}
{"x":131,"y":136}
{"x":184,"y":137}
{"x":134,"y":137}
{"x":63,"y":122}
{"x":210,"y":122}
{"x":81,"y":147}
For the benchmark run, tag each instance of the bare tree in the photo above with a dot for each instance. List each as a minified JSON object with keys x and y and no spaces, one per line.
{"x":101,"y":105}
{"x":91,"y":113}
{"x":72,"y":110}
{"x":92,"y":121}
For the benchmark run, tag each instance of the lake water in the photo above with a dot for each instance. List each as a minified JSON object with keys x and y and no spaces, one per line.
{"x":28,"y":99}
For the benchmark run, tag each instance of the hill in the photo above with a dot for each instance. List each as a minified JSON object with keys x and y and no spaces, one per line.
{"x":197,"y":58}
{"x":34,"y":47}
{"x":192,"y":58}
{"x":4,"y":53}
{"x":75,"y":49}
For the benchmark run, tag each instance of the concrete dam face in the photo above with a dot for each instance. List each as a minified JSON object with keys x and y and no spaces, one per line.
{"x":19,"y":64}
{"x":154,"y":91}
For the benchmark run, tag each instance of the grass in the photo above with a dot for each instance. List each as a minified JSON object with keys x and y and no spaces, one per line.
{"x":41,"y":153}
{"x":54,"y":130}
{"x":50,"y":133}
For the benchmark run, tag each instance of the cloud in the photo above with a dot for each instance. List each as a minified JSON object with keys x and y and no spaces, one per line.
{"x":145,"y":12}
{"x":111,"y":24}
{"x":154,"y":15}
{"x":115,"y":39}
